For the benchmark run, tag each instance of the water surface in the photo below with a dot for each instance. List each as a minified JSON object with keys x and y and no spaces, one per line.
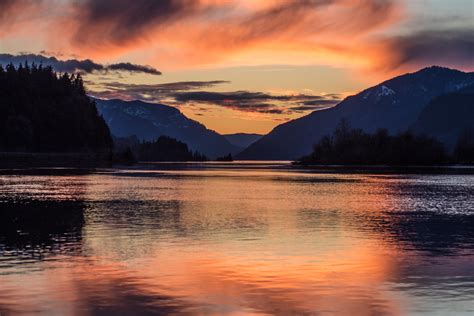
{"x":236,"y":238}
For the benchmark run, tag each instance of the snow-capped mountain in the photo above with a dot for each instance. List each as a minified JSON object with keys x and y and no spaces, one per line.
{"x":394,"y":104}
{"x":148,"y":121}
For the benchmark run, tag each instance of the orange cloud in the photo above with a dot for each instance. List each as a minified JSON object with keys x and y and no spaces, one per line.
{"x":184,"y":33}
{"x":171,"y":34}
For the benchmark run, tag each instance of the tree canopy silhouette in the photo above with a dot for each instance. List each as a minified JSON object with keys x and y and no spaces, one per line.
{"x":464,"y":151}
{"x":227,"y":157}
{"x":44,"y":111}
{"x":162,"y":149}
{"x":349,"y":146}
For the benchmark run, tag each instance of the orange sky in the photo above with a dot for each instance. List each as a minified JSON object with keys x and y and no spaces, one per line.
{"x":279,"y":47}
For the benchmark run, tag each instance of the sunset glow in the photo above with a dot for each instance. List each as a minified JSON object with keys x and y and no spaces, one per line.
{"x":347,"y":44}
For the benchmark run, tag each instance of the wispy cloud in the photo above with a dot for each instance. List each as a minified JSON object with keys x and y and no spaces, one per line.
{"x":120,"y":21}
{"x":196,"y":32}
{"x":361,"y":34}
{"x":149,"y":92}
{"x":11,"y":11}
{"x":75,"y":65}
{"x":454,"y":47}
{"x":188,"y":93}
{"x":133,"y":68}
{"x":259,"y":101}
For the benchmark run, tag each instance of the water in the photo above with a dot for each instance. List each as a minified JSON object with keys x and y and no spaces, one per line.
{"x":233,"y":239}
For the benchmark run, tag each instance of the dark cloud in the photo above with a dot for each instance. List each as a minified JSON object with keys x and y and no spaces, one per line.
{"x":321,"y":102}
{"x":224,"y":97}
{"x":122,"y":20}
{"x":224,"y":24}
{"x":134,"y":68}
{"x":71,"y":65}
{"x":7,"y":6}
{"x":187,"y":32}
{"x":75,"y":65}
{"x":188,"y":93}
{"x":454,"y":47}
{"x":259,"y":101}
{"x":318,"y":103}
{"x":12,"y":11}
{"x":150,"y":92}
{"x":162,"y":87}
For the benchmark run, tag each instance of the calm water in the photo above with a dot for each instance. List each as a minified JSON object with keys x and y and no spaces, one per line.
{"x":233,"y":239}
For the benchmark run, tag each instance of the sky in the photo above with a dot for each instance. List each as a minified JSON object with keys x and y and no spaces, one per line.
{"x":238,"y":65}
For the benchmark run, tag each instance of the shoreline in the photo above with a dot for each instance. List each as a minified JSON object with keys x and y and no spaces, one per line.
{"x":23,"y":160}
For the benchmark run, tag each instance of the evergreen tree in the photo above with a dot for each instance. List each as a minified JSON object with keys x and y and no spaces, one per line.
{"x":43,"y":111}
{"x":348,"y":146}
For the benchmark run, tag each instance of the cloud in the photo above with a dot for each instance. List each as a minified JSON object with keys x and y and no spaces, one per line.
{"x":9,"y":7}
{"x":245,"y":101}
{"x":148,"y":92}
{"x":212,"y":31}
{"x":358,"y":34}
{"x":133,"y":68}
{"x":119,"y":21}
{"x":259,"y":101}
{"x":318,"y":103}
{"x":200,"y":32}
{"x":6,"y":5}
{"x":16,"y":13}
{"x":454,"y":47}
{"x":75,"y":65}
{"x":191,"y":93}
{"x":225,"y":97}
{"x":162,"y":87}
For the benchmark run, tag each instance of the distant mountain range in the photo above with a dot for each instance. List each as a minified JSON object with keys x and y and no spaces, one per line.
{"x":434,"y":101}
{"x":406,"y":102}
{"x":242,"y":140}
{"x":148,"y":121}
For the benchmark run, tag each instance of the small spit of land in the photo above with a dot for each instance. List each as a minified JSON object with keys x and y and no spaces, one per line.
{"x":348,"y":146}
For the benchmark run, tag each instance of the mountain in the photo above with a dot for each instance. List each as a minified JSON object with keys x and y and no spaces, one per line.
{"x":448,"y":116}
{"x":148,"y":121}
{"x":242,"y":140}
{"x":394,"y":104}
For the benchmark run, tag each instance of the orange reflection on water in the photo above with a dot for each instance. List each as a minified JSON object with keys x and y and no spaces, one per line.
{"x":228,"y":242}
{"x":211,"y":282}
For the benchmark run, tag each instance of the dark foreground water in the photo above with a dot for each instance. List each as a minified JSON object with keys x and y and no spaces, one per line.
{"x":233,"y":239}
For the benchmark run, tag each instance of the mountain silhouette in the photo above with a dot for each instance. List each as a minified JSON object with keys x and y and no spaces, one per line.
{"x":448,"y":116}
{"x":242,"y":140}
{"x":148,"y":121}
{"x":394,"y":105}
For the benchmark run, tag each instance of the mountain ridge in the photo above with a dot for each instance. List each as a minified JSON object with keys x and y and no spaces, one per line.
{"x":242,"y":140}
{"x":394,"y":104}
{"x":148,"y":121}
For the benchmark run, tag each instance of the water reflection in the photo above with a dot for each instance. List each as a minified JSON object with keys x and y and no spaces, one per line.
{"x":35,"y":229}
{"x":228,"y":239}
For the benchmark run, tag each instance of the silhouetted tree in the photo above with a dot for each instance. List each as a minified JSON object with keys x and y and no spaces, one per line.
{"x":353,"y":146}
{"x":227,"y":157}
{"x":166,"y":149}
{"x":464,"y":151}
{"x":43,"y":111}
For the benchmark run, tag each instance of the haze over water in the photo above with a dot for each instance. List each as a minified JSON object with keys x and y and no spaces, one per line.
{"x":240,"y":238}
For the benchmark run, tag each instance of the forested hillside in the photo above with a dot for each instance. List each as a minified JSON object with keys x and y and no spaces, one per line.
{"x":44,"y":111}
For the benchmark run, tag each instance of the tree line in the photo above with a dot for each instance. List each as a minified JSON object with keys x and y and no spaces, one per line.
{"x":164,"y":148}
{"x":352,"y":146}
{"x":45,"y":111}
